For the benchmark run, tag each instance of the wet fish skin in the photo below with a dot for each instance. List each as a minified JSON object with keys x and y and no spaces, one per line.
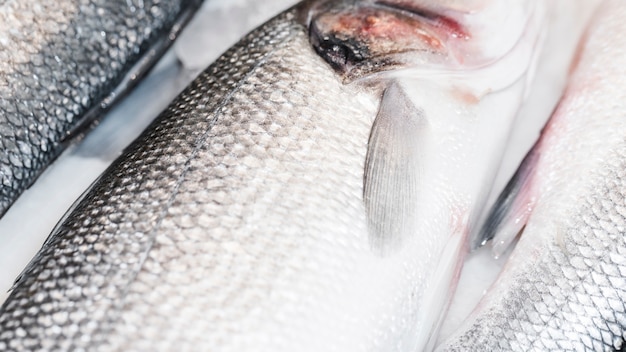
{"x":564,"y":287}
{"x":237,"y":221}
{"x":62,"y":64}
{"x":155,"y":167}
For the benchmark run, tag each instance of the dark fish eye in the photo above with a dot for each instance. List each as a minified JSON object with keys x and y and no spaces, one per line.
{"x":341,"y":54}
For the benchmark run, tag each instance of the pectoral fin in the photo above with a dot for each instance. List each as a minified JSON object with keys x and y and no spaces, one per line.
{"x":511,"y":211}
{"x":391,"y":177}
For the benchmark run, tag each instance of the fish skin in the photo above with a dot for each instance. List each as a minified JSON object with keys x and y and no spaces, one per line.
{"x":564,"y":287}
{"x":62,"y":64}
{"x":236,"y":222}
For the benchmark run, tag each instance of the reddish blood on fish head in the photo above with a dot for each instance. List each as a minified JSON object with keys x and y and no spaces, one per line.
{"x":358,"y":39}
{"x":441,"y":22}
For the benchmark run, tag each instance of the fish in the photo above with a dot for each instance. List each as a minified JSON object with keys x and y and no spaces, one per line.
{"x":564,"y":286}
{"x":63,"y":64}
{"x":247,"y":216}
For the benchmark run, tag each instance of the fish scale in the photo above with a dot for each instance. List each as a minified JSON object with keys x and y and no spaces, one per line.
{"x":61,"y":64}
{"x":249,"y":219}
{"x":564,"y":287}
{"x":573,"y":298}
{"x":147,"y":248}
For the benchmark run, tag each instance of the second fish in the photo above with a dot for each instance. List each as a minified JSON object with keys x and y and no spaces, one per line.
{"x":62,"y":64}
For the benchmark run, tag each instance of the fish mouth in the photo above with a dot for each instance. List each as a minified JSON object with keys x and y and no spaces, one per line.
{"x":362,"y":38}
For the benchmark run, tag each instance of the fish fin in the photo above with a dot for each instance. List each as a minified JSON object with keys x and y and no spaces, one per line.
{"x":391,"y":177}
{"x":511,"y":211}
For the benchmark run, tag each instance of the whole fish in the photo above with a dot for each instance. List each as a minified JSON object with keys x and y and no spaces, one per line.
{"x":564,"y":287}
{"x":312,"y":190}
{"x":62,"y":64}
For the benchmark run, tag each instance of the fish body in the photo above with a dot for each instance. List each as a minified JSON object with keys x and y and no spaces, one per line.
{"x":246,"y":216}
{"x":63,"y":64}
{"x":564,"y":286}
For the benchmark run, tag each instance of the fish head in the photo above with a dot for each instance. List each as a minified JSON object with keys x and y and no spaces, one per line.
{"x":361,"y":38}
{"x":453,"y":77}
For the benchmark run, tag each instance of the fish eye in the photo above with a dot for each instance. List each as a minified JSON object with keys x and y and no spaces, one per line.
{"x":340,"y":54}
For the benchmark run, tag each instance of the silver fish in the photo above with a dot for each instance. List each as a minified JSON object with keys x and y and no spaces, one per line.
{"x":247,"y":216}
{"x":564,"y":287}
{"x":62,"y":64}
